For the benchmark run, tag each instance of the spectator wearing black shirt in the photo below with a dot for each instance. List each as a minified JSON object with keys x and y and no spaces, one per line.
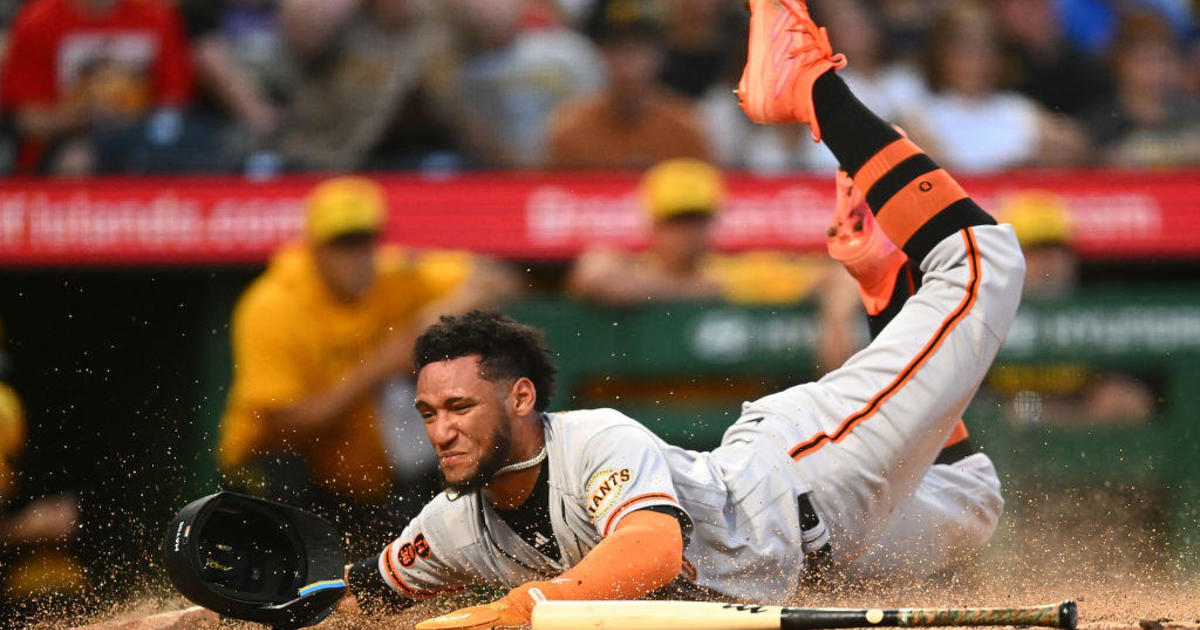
{"x":371,"y":89}
{"x":241,"y":62}
{"x":515,"y":67}
{"x":1150,"y":120}
{"x":705,"y":40}
{"x":1042,"y":63}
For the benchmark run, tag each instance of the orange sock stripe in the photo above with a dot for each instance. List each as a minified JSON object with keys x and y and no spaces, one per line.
{"x":959,"y":434}
{"x":821,"y":439}
{"x":884,"y":161}
{"x":391,"y":573}
{"x":918,"y":202}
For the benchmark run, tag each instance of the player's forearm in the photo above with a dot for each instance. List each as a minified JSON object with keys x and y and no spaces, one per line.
{"x":631,"y":289}
{"x":317,"y":410}
{"x":644,"y":553}
{"x":839,"y":314}
{"x":586,"y":286}
{"x":47,"y":122}
{"x":309,"y":24}
{"x":233,"y":86}
{"x":488,"y":283}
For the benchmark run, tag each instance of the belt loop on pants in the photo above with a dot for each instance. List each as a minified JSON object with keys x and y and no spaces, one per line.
{"x":814,"y":536}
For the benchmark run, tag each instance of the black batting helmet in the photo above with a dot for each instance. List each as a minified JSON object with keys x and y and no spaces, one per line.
{"x":255,"y":560}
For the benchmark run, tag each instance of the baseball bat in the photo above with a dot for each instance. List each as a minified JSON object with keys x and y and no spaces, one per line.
{"x":661,"y":615}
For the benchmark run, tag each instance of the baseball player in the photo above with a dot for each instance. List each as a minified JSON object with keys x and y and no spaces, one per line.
{"x":834,"y":476}
{"x":320,"y":342}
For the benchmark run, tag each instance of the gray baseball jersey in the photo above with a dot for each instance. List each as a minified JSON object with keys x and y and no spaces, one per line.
{"x":860,"y":443}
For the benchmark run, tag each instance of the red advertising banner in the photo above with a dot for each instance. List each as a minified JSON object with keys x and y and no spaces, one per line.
{"x":213,"y":220}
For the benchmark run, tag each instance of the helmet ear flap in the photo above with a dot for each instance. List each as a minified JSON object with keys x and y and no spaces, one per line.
{"x":256,"y":560}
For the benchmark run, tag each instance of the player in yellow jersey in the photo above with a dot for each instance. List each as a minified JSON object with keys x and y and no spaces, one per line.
{"x":318,"y":341}
{"x":34,"y":561}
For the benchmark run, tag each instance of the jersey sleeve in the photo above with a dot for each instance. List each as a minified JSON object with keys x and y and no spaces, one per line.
{"x":440,"y":272}
{"x":411,"y":281}
{"x":624,"y":471}
{"x":418,"y":564}
{"x":269,"y":362}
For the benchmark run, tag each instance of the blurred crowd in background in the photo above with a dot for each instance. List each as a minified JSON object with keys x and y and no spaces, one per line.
{"x":269,"y":86}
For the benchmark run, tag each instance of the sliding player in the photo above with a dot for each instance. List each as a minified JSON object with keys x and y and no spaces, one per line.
{"x":835,"y":476}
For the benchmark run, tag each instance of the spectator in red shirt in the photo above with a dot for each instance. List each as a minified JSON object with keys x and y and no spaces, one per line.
{"x":77,"y":65}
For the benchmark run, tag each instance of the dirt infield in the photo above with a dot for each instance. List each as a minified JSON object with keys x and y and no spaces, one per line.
{"x":1114,"y":589}
{"x":1100,"y":547}
{"x":1124,"y":602}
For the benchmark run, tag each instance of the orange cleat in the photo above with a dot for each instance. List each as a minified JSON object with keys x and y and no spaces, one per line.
{"x":788,"y":52}
{"x":855,"y":240}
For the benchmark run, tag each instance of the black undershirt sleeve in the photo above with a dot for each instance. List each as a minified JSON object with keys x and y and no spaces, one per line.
{"x":685,"y":522}
{"x":372,"y":593}
{"x":908,"y":280}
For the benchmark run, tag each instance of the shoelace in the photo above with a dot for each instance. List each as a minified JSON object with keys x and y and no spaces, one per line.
{"x":817,"y":37}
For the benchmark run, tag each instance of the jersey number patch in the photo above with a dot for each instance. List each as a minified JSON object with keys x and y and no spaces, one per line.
{"x":409,"y":552}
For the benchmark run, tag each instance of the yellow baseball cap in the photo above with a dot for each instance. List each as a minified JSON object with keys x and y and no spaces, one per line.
{"x":12,"y":424}
{"x":1038,"y":217}
{"x":345,"y":205}
{"x":682,"y":186}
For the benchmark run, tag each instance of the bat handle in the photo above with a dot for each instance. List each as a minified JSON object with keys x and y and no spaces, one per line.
{"x":1061,"y":615}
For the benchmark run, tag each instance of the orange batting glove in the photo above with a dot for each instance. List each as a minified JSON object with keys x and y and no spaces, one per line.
{"x":514,"y":609}
{"x":483,"y":617}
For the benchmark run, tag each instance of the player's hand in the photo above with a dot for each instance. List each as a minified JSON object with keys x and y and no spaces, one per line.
{"x":45,"y":519}
{"x":486,"y":617}
{"x":393,"y":355}
{"x":514,"y":609}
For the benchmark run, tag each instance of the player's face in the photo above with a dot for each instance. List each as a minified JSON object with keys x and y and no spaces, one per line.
{"x":347,"y":266}
{"x":684,"y":239}
{"x":632,"y":64}
{"x":855,"y":30}
{"x":491,"y":22}
{"x":970,"y":65}
{"x":465,"y":419}
{"x":1051,"y":271}
{"x":391,"y":12}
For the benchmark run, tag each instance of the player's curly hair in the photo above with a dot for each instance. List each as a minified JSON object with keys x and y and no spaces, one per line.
{"x":506,"y":347}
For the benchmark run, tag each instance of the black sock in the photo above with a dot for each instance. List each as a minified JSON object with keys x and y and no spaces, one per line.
{"x":853,"y":132}
{"x":907,"y":283}
{"x":856,"y":135}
